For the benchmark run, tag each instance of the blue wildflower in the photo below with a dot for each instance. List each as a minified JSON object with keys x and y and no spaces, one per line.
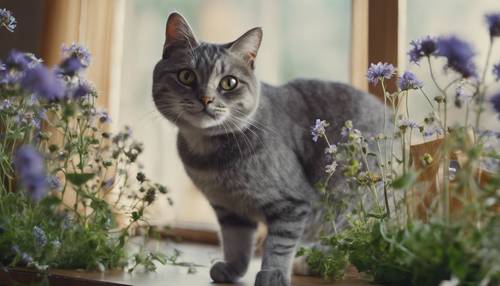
{"x":40,"y":237}
{"x":404,"y":124}
{"x":103,"y":117}
{"x":43,"y":83}
{"x":493,"y":21}
{"x":30,"y":169}
{"x":408,"y":81}
{"x":318,"y":130}
{"x":70,"y":66}
{"x":81,"y":90}
{"x":54,"y":183}
{"x":496,"y":71}
{"x":433,"y":130}
{"x":495,"y":101}
{"x":6,"y":104}
{"x":420,"y":48}
{"x":380,"y":71}
{"x":79,"y":52}
{"x":459,"y":55}
{"x":7,"y":20}
{"x":33,"y":61}
{"x":107,"y":184}
{"x":16,"y":61}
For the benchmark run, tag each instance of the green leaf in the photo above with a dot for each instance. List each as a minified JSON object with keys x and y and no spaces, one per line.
{"x":405,"y":181}
{"x":79,"y":179}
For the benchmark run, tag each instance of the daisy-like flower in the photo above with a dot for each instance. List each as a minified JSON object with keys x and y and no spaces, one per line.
{"x":420,"y":48}
{"x":493,"y":21}
{"x":408,"y":81}
{"x":330,"y":168}
{"x":461,"y":96}
{"x":54,"y":183}
{"x":77,"y":51}
{"x":40,"y":237}
{"x":404,"y":124}
{"x":458,"y":54}
{"x":318,"y":130}
{"x":431,"y":131}
{"x":380,"y":71}
{"x":7,"y":20}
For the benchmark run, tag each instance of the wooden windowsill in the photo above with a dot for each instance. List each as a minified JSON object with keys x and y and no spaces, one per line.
{"x":165,"y":275}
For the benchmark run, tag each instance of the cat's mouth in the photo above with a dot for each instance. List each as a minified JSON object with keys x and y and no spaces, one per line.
{"x":207,"y":117}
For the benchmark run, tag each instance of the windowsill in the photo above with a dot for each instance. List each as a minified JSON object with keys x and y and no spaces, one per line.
{"x":176,"y":275}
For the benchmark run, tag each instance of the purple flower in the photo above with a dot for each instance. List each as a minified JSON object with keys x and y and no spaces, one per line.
{"x":408,"y":81}
{"x":70,"y":66}
{"x":496,"y":71}
{"x":420,"y":48}
{"x":54,"y":183}
{"x":318,"y":130}
{"x":406,"y":123}
{"x":495,"y":101}
{"x":107,"y":184}
{"x":79,"y":52}
{"x":39,"y":236}
{"x":104,"y":117}
{"x":459,"y":55}
{"x":81,"y":90}
{"x":430,"y":131}
{"x":6,"y":104}
{"x":380,"y":71}
{"x":30,"y":169}
{"x":43,"y":83}
{"x":7,"y":20}
{"x":17,"y":61}
{"x":493,"y":21}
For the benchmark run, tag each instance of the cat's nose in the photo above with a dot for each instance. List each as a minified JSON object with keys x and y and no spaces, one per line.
{"x":206,"y":99}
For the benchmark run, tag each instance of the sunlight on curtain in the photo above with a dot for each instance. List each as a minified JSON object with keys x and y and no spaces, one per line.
{"x":301,"y":39}
{"x":430,"y":17}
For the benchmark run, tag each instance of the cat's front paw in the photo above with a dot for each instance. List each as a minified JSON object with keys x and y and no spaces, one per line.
{"x":222,"y":272}
{"x":271,"y":277}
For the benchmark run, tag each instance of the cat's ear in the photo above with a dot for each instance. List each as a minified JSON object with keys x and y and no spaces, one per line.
{"x":248,"y":45}
{"x":178,"y":33}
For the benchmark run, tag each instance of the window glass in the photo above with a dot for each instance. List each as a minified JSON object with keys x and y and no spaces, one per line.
{"x":463,"y":18}
{"x":301,"y":39}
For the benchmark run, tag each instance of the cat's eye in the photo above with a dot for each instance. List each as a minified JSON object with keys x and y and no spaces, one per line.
{"x":228,"y":83}
{"x":186,"y":77}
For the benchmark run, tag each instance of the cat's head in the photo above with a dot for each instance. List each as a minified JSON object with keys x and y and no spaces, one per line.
{"x":206,"y":88}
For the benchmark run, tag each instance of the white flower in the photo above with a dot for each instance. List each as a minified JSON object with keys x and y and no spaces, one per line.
{"x":330,"y":169}
{"x":332,"y":149}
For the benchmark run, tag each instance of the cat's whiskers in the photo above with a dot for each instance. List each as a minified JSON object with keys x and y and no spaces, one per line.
{"x":234,"y":136}
{"x":241,"y":132}
{"x":255,"y":123}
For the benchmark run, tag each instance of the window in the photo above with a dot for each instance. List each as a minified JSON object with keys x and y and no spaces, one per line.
{"x":301,"y":39}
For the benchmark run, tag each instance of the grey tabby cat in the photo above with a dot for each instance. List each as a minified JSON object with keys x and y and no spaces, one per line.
{"x":247,"y":145}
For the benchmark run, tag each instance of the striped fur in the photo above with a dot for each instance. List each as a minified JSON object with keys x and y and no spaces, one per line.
{"x":250,"y":151}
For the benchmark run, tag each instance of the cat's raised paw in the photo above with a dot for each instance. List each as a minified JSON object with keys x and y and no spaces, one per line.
{"x":222,"y":272}
{"x":271,"y":277}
